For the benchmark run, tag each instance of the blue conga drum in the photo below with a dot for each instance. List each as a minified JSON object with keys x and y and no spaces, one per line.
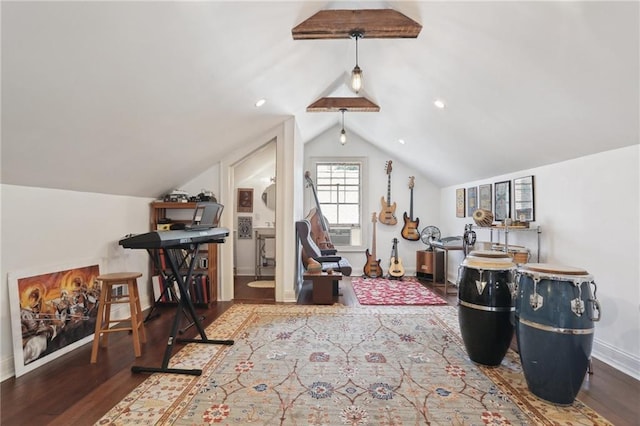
{"x":486,"y":283}
{"x":555,"y":315}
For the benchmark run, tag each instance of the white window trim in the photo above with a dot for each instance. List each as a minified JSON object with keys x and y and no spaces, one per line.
{"x":364,"y":201}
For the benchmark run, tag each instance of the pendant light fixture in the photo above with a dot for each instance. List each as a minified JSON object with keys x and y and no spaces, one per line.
{"x":343,"y":134}
{"x":356,"y":74}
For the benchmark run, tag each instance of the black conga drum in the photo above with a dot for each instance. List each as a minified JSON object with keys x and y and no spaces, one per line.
{"x":485,"y":305}
{"x":555,"y":312}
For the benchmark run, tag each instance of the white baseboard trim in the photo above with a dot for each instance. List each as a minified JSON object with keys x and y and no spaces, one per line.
{"x":620,"y":360}
{"x":8,"y":368}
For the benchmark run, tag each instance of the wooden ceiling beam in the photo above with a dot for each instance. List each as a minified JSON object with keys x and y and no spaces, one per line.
{"x":373,"y":23}
{"x":355,"y":104}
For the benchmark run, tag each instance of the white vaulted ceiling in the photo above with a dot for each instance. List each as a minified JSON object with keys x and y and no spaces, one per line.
{"x":137,"y":97}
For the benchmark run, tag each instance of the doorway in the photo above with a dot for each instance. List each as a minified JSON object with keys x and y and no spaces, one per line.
{"x":254,"y":226}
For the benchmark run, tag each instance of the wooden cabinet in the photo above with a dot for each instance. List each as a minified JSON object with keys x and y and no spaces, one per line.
{"x":204,"y":284}
{"x":428,"y":263}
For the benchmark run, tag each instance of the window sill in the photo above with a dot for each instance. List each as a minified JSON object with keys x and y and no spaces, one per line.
{"x":350,"y":249}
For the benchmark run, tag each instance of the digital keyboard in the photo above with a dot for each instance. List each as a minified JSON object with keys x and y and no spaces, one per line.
{"x":175,"y":238}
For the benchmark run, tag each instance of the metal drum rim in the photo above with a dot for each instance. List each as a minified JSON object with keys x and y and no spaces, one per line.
{"x":488,"y":254}
{"x":489,"y":260}
{"x":559,"y":269}
{"x":491,"y":266}
{"x":554,"y":328}
{"x":554,"y":276}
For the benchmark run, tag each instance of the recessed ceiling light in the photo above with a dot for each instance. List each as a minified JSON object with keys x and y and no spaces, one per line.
{"x":260,"y":102}
{"x":439,"y":103}
{"x":401,"y":141}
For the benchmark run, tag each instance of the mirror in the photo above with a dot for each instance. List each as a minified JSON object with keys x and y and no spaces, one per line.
{"x":269,"y":196}
{"x":523,"y":199}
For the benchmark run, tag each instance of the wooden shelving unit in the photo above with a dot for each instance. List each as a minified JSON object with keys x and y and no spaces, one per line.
{"x":207,"y":259}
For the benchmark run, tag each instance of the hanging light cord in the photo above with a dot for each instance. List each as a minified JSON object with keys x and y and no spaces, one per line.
{"x":356,"y":74}
{"x":357,"y":36}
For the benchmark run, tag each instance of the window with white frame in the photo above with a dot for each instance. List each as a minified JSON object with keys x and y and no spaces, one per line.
{"x":339,"y":190}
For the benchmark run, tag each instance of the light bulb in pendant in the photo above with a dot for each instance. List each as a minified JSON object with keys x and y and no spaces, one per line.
{"x":343,"y":134}
{"x":356,"y":74}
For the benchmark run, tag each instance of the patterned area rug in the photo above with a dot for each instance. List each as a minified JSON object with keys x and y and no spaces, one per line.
{"x":332,"y":365}
{"x":381,"y":291}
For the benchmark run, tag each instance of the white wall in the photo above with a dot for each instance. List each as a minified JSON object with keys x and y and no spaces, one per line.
{"x":588,"y":210}
{"x":48,"y":227}
{"x":209,"y":180}
{"x":426,"y":196}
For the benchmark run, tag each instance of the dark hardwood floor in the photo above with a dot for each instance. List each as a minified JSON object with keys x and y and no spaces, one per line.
{"x":71,"y":391}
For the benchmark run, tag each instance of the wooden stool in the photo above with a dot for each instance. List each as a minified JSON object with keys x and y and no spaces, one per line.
{"x":108,"y":281}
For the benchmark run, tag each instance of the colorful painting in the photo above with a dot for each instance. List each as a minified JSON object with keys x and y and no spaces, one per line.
{"x":52,"y":313}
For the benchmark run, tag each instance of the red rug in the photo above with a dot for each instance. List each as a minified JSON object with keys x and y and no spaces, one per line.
{"x":381,"y":291}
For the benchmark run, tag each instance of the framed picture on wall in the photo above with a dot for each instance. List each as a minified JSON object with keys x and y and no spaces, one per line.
{"x":502,"y":200}
{"x":485,"y":201}
{"x":245,"y":200}
{"x":245,"y":227}
{"x":472,"y":200}
{"x":460,"y":202}
{"x":523,"y":200}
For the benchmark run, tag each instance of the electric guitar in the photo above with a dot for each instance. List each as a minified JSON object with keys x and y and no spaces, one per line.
{"x":410,"y":228}
{"x":396,"y":269}
{"x":372,"y":268}
{"x":388,"y":212}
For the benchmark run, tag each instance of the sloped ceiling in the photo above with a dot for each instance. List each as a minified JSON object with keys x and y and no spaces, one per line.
{"x":135,"y":98}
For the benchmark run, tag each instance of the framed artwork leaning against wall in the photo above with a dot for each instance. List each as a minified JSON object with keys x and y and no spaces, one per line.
{"x":485,"y":200}
{"x":460,"y":202}
{"x":523,"y":199}
{"x":53,"y":311}
{"x":472,"y":200}
{"x":502,"y":209}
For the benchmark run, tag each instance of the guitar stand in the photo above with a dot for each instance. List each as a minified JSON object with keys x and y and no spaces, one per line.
{"x":189,"y":310}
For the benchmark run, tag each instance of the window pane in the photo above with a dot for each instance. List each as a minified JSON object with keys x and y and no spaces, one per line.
{"x":324,"y":196}
{"x":352,"y":197}
{"x":349,"y":214}
{"x":330,"y":211}
{"x":338,"y":190}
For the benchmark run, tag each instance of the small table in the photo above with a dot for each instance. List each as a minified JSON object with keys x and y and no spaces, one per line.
{"x":446,"y":250}
{"x":324,"y":288}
